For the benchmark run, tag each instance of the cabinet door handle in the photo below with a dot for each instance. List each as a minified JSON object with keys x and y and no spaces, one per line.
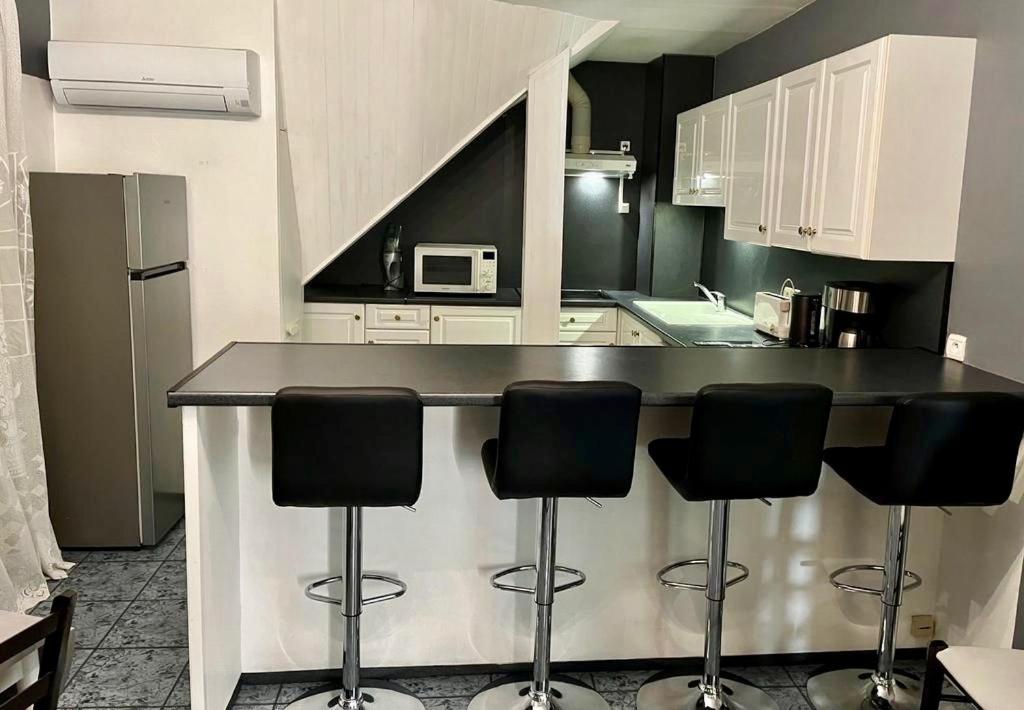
{"x":811,"y":231}
{"x":370,"y":342}
{"x":437,"y":319}
{"x":762,"y":229}
{"x":801,"y":231}
{"x":357,"y":317}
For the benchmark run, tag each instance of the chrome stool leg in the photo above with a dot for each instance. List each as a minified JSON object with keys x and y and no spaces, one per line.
{"x":541,"y":692}
{"x":708,"y":690}
{"x":353,"y":695}
{"x":884,"y":688}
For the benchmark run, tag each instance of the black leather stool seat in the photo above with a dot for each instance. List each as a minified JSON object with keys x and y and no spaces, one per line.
{"x":346,"y":447}
{"x":749,"y":441}
{"x":941,"y":450}
{"x":564,"y":440}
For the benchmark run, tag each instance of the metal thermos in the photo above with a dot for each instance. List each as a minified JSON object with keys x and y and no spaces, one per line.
{"x":394,"y":280}
{"x":805,"y":318}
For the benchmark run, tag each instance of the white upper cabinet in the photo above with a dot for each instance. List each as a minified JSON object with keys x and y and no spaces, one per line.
{"x":701,"y":149}
{"x":751,"y":147}
{"x":795,"y":152}
{"x":860,"y":155}
{"x":846,"y":136}
{"x":684,"y":184}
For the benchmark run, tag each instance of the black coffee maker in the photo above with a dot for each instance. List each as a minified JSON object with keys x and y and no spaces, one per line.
{"x":852,"y":314}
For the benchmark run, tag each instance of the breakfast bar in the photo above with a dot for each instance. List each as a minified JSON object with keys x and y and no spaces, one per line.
{"x":249,"y":560}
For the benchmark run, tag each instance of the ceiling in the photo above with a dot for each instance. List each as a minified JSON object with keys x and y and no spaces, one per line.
{"x":650,"y":28}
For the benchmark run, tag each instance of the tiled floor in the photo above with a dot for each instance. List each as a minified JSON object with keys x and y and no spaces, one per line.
{"x":132,"y":647}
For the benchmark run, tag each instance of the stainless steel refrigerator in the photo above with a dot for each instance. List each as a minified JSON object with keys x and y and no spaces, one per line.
{"x":113,"y":333}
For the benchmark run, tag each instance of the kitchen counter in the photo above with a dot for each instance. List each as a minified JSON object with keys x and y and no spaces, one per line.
{"x":250,"y":559}
{"x":248,"y":374}
{"x":377,"y":294}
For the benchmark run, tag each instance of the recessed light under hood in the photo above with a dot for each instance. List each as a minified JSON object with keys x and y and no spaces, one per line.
{"x":600,"y":163}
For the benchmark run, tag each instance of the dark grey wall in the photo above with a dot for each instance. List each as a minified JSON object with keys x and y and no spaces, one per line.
{"x":34,"y":19}
{"x":824,"y":28}
{"x":670,"y":239}
{"x":598,"y":243}
{"x":477,"y":198}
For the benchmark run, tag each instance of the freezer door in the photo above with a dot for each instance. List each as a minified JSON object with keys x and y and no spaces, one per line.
{"x":162,"y":343}
{"x":156,"y":220}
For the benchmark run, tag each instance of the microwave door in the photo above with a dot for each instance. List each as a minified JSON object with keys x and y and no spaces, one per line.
{"x":448,"y":272}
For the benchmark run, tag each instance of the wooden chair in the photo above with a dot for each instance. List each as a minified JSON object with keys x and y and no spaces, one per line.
{"x":990,"y":678}
{"x":22,"y":635}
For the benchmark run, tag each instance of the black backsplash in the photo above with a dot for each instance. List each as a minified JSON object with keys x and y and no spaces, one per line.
{"x":34,"y":24}
{"x":917,"y":293}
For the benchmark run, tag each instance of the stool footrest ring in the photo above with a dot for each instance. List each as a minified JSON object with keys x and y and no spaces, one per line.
{"x":366,"y":601}
{"x":914,"y":583}
{"x":580,"y":579}
{"x":702,"y":562}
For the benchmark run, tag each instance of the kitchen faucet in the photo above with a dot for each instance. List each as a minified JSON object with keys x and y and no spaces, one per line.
{"x":716,"y":297}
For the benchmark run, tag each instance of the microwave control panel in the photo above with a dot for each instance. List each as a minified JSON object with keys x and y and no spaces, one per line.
{"x":488,"y":271}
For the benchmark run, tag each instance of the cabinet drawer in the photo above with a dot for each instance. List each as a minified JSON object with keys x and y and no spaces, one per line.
{"x":585,"y":337}
{"x":397,"y":317}
{"x":600,"y":320}
{"x":397,"y":337}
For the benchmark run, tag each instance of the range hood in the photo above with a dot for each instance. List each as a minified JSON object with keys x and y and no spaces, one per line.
{"x":597,"y":163}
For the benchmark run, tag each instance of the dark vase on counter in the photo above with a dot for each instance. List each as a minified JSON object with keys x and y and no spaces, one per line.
{"x":394,"y":279}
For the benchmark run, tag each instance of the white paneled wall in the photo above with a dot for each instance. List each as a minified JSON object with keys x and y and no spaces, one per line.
{"x":376,"y":96}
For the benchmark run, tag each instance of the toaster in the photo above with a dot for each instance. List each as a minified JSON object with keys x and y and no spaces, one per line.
{"x":772,"y":313}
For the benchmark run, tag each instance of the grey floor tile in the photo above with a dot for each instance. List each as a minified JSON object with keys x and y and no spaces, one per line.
{"x":624,"y":680}
{"x":444,"y":686}
{"x":763,"y":676}
{"x":167,"y":583}
{"x":179,"y":552}
{"x":262,"y":694}
{"x":290,"y":691}
{"x":620,"y":699}
{"x":801,"y":673}
{"x":446,"y":703}
{"x":93,"y":620}
{"x":110,"y":581}
{"x":151,"y":624}
{"x":263,"y":706}
{"x":160,"y":551}
{"x":789,"y":698}
{"x":180,"y":696}
{"x":125,"y":678}
{"x":75,"y":555}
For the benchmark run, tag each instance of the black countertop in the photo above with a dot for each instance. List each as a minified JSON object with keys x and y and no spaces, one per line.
{"x":377,"y":294}
{"x":248,"y":374}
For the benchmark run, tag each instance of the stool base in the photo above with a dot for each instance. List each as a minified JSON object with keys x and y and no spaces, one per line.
{"x":683,"y":691}
{"x":511,"y":696}
{"x":373,"y":699}
{"x":853,"y":689}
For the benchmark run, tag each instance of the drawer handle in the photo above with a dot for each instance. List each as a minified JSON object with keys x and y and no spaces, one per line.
{"x":398,"y":317}
{"x":572,"y":320}
{"x":357,"y":316}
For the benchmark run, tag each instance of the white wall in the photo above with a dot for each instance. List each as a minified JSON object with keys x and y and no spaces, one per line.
{"x":230,"y":164}
{"x":37,"y":107}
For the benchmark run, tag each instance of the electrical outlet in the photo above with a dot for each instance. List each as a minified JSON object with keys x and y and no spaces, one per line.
{"x":956,"y":346}
{"x":922,"y":626}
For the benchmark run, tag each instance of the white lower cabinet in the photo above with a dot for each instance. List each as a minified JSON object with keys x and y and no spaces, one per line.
{"x":334,"y":323}
{"x":397,"y":337}
{"x":632,"y":332}
{"x":587,"y":326}
{"x":475,"y":325}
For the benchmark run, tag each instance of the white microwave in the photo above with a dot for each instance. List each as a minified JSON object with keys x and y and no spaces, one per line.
{"x":456,"y":268}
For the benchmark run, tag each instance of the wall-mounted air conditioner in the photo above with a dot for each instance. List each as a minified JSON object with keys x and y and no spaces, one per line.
{"x":143,"y":76}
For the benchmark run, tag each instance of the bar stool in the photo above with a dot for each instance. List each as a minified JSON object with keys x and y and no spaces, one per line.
{"x":556,"y":440}
{"x":349,"y":448}
{"x":746,"y":442}
{"x":941,"y":450}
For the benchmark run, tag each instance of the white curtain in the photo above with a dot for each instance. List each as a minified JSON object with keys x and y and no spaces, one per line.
{"x":28,"y":548}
